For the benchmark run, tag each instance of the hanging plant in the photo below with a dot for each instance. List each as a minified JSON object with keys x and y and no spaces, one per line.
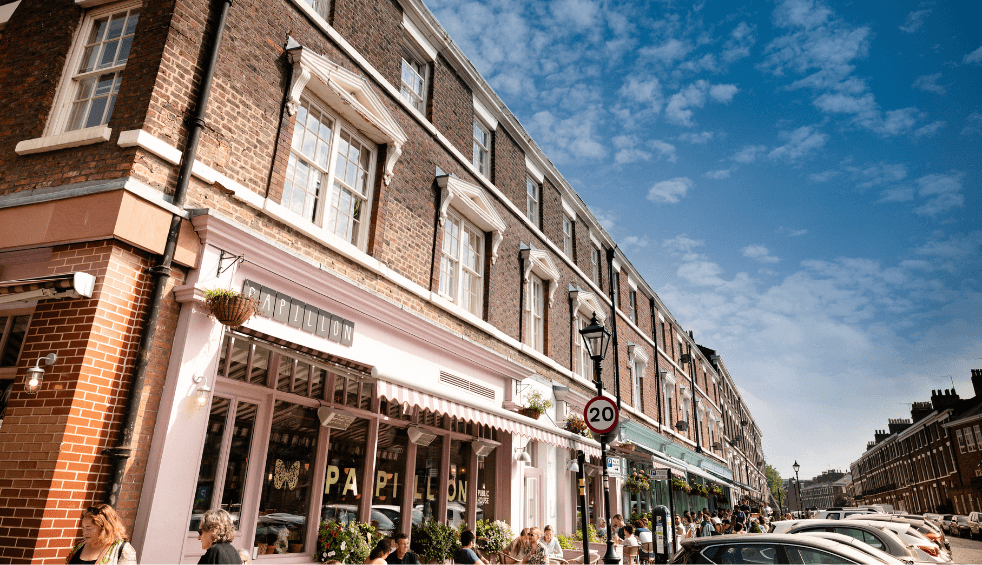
{"x":637,"y":483}
{"x":229,"y":307}
{"x":679,"y":484}
{"x":699,"y":489}
{"x":628,"y":445}
{"x":716,"y":491}
{"x":576,"y":424}
{"x":535,"y":405}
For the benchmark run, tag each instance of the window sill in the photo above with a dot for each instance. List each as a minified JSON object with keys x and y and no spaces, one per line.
{"x":77,"y":138}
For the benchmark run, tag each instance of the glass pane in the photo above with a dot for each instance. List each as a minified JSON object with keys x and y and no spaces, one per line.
{"x":15,"y":339}
{"x":486,"y":480}
{"x":460,"y":453}
{"x":345,"y":469}
{"x":238,"y":459}
{"x":301,"y":379}
{"x":354,"y":388}
{"x":339,"y":387}
{"x":755,"y":553}
{"x":240,"y":356}
{"x":285,"y":498}
{"x":283,"y":375}
{"x":390,"y":477}
{"x":366,"y":396}
{"x":226,"y":342}
{"x":427,"y":480}
{"x":260,"y":366}
{"x":208,"y":470}
{"x":318,"y":381}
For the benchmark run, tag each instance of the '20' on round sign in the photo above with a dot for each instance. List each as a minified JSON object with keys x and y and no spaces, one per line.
{"x":600,"y":414}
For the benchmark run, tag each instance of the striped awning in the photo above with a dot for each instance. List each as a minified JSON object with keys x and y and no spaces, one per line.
{"x":503,"y":420}
{"x":67,"y":285}
{"x":336,"y":360}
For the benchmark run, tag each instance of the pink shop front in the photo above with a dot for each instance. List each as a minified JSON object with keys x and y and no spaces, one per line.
{"x":284,"y":425}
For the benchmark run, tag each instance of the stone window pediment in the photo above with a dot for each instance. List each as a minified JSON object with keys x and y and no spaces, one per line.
{"x":637,"y":353}
{"x":669,"y":378}
{"x":473,"y":203}
{"x":587,"y":303}
{"x":348,"y":94}
{"x":538,"y":262}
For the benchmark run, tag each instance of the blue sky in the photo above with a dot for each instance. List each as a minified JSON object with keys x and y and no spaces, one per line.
{"x":798,"y":180}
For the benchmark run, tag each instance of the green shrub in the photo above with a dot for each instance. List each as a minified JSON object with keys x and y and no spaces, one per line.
{"x":433,"y":541}
{"x":497,"y":532}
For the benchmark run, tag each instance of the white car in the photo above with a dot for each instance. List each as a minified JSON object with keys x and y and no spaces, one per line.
{"x":923,"y":549}
{"x":856,"y":544}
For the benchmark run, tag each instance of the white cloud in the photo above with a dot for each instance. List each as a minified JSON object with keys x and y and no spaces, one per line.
{"x":929,"y":83}
{"x":678,"y":110}
{"x":635,"y":241}
{"x":839,"y":103}
{"x":915,"y":20}
{"x":824,"y":176}
{"x":929,"y":130}
{"x":668,"y":52}
{"x":957,"y":247}
{"x":759,"y":253}
{"x":607,"y":218}
{"x":625,"y":156}
{"x":749,"y":153}
{"x":719,"y":175}
{"x":664,"y":149}
{"x":700,"y":138}
{"x":644,"y":91}
{"x":801,"y":142}
{"x":942,"y":191}
{"x":893,"y":122}
{"x":974,"y":56}
{"x":568,"y":139}
{"x":670,"y":191}
{"x":880,"y":174}
{"x":582,"y":14}
{"x":682,"y":244}
{"x":738,"y":46}
{"x":973,"y":124}
{"x":897,"y":194}
{"x":791,"y":232}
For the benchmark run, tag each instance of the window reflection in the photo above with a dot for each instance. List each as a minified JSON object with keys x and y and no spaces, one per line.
{"x":390,"y":478}
{"x":427,"y":480}
{"x":345,"y":469}
{"x":460,"y":455}
{"x":285,"y":498}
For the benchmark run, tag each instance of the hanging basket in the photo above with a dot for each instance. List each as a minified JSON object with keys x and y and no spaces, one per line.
{"x":530,"y":412}
{"x":232,"y":311}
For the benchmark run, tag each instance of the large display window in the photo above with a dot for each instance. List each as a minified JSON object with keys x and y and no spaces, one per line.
{"x":390,"y":478}
{"x":345,"y":471}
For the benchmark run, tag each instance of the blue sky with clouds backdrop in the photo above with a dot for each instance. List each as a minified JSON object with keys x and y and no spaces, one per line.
{"x":798,"y":180}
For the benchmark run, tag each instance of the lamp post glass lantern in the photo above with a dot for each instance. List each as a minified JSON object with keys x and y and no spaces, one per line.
{"x":596,"y":338}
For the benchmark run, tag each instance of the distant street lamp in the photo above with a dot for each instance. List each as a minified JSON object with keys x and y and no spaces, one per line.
{"x":796,"y":467}
{"x":596,"y":338}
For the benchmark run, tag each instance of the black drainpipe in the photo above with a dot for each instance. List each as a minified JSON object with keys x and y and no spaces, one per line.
{"x":613,"y":317}
{"x":692,"y":379}
{"x":161,"y":273}
{"x":654,"y":351}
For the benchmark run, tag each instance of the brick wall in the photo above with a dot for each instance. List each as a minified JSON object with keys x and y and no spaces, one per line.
{"x":453,"y":106}
{"x":373,"y":28}
{"x":51,"y":466}
{"x":508,"y":166}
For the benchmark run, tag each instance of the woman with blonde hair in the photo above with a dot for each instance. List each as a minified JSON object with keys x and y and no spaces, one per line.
{"x":103,"y":539}
{"x":216,"y":533}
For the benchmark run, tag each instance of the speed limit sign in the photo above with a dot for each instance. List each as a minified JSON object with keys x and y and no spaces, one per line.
{"x":600,"y":414}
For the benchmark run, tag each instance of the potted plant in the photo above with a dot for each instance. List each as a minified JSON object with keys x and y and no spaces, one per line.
{"x":349,"y":543}
{"x":535,"y":405}
{"x":679,"y":484}
{"x":637,"y":483}
{"x":432,"y":541}
{"x":627,"y":445}
{"x":576,"y":424}
{"x":229,"y":307}
{"x":495,"y":536}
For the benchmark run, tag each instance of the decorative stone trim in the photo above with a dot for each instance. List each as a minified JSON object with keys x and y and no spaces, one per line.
{"x":473,"y":203}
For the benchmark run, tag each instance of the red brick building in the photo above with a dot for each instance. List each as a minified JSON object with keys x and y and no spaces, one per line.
{"x":422,"y":267}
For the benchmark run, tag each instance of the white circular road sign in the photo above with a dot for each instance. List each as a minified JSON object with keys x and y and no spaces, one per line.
{"x":600,"y":414}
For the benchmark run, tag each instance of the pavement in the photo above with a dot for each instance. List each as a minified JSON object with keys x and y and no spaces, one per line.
{"x":965,"y":551}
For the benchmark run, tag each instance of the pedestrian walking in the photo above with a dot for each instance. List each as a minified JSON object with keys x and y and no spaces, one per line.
{"x":103,"y":539}
{"x":216,"y":533}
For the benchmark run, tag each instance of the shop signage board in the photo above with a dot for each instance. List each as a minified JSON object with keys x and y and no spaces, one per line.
{"x":659,"y":474}
{"x":284,"y":308}
{"x":600,"y":414}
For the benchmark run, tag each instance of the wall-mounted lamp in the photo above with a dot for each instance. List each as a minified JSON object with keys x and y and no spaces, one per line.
{"x":34,"y":376}
{"x":573,"y":466}
{"x":202,"y":393}
{"x":523,"y":456}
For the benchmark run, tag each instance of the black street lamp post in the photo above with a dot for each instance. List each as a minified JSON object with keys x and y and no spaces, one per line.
{"x":596,"y":338}
{"x":796,"y":467}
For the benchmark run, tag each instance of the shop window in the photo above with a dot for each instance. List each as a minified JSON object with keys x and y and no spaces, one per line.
{"x":487,"y":477}
{"x":221,"y":478}
{"x":345,"y":469}
{"x":13,"y":329}
{"x":352,"y":392}
{"x":426,"y":480}
{"x":460,"y":454}
{"x":390,"y":478}
{"x":285,"y":498}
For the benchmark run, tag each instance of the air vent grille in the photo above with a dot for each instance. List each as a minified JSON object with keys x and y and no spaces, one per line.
{"x":464,"y":384}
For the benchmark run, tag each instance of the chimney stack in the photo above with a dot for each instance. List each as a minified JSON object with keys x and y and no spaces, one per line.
{"x":942,"y":399}
{"x":920,"y":410}
{"x":977,"y":382}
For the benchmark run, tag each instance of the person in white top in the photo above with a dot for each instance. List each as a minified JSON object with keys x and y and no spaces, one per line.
{"x":551,"y":542}
{"x":679,"y":528}
{"x":630,"y":539}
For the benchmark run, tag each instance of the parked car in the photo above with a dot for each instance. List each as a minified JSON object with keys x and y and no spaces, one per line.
{"x":922,"y":525}
{"x":840,"y":513}
{"x":946,"y":523}
{"x":934,"y":518}
{"x":974,"y":524}
{"x":855,"y":543}
{"x":920,"y":548}
{"x":959,"y":526}
{"x":772,"y":548}
{"x":882,"y":539}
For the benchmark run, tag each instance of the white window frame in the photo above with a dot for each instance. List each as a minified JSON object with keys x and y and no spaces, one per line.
{"x":584,"y":305}
{"x":420,"y":68}
{"x":568,"y":235}
{"x":321,"y":7}
{"x":451,"y":283}
{"x":595,"y":263}
{"x":533,"y":199}
{"x":969,"y":440}
{"x":632,"y":298}
{"x":536,"y":313}
{"x":638,"y":360}
{"x":482,"y":152}
{"x":668,"y":383}
{"x":325,"y":200}
{"x":55,"y":135}
{"x":961,"y":440}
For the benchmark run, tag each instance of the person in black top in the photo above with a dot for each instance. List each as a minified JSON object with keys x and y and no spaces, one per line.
{"x":466,"y":553}
{"x":215,"y":533}
{"x":402,"y":553}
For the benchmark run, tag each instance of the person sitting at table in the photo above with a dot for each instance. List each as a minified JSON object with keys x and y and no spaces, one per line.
{"x":630,"y":540}
{"x":643,"y":534}
{"x":516,"y":547}
{"x":602,"y":529}
{"x":534,"y":552}
{"x":551,"y":543}
{"x":466,"y":554}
